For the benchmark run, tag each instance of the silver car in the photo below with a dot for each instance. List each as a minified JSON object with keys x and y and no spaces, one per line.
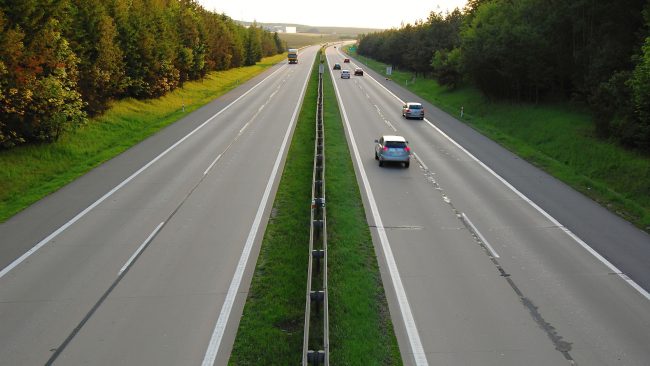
{"x":345,"y":74}
{"x":413,"y":110}
{"x":392,"y":148}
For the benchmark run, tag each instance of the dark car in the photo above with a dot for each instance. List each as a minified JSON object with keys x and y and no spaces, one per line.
{"x":346,"y":60}
{"x":337,"y":67}
{"x":358,"y":72}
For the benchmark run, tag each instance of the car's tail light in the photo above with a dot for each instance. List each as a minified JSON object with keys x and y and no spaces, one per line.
{"x":408,"y":111}
{"x":385,"y":148}
{"x":407,"y":149}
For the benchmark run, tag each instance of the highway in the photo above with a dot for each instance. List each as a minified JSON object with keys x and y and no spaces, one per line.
{"x":146,"y":260}
{"x":475,"y":270}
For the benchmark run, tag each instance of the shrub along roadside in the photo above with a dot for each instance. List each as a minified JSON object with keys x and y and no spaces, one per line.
{"x":554,"y":137}
{"x":270,"y":330}
{"x":30,"y":172}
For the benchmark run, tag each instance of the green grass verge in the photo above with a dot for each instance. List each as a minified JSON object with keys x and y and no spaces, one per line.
{"x":555,"y":137}
{"x":270,"y":330}
{"x":361,"y":331}
{"x":29,"y":173}
{"x":271,"y":327}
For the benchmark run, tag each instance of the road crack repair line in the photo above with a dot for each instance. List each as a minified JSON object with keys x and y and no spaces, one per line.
{"x":144,"y":246}
{"x":121,"y":274}
{"x":558,"y":341}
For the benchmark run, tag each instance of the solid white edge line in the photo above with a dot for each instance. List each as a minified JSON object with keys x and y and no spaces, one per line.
{"x":405,"y":308}
{"x":480,"y":236}
{"x":224,"y":315}
{"x":140,"y":248}
{"x":573,"y":236}
{"x":81,"y":214}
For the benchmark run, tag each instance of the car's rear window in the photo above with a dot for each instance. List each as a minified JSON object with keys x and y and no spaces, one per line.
{"x":395,"y":144}
{"x":415,"y":106}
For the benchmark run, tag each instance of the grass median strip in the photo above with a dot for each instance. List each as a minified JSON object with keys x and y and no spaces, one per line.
{"x":361,"y":331}
{"x":271,"y":327}
{"x":29,"y":173}
{"x":555,"y":137}
{"x":270,"y":330}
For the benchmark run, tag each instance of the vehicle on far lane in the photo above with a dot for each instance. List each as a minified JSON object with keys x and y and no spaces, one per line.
{"x":413,"y":110}
{"x":345,"y":74}
{"x":346,"y":60}
{"x":358,"y":72}
{"x":293,"y":56}
{"x":390,"y":148}
{"x":337,"y":67}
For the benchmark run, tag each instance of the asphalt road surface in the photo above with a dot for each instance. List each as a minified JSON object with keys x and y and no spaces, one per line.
{"x":146,"y":260}
{"x":487,"y":260}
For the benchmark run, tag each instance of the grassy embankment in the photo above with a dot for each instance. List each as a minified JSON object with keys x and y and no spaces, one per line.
{"x":29,"y":173}
{"x":554,"y":137}
{"x":270,"y":330}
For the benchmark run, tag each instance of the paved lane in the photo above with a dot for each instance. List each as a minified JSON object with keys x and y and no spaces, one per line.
{"x":143,"y":276}
{"x":526,"y":293}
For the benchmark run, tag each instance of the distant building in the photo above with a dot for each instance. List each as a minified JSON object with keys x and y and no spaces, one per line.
{"x":291,"y":29}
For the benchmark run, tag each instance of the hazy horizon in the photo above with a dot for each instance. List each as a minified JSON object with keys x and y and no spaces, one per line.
{"x":381,"y":14}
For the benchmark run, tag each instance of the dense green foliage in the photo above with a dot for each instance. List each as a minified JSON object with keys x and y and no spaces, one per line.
{"x":61,"y":60}
{"x":595,"y":53}
{"x":30,"y":172}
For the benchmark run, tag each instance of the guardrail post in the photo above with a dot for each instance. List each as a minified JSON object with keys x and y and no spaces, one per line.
{"x":316,"y":357}
{"x":318,"y":254}
{"x":317,"y":297}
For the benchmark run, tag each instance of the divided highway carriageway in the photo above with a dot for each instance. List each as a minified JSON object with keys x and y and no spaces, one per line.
{"x":477,"y":273}
{"x":146,"y":260}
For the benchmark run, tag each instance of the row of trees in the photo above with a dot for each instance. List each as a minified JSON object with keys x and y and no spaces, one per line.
{"x":64,"y":60}
{"x":592,"y":52}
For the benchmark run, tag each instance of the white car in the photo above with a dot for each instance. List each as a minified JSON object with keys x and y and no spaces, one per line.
{"x":413,"y":110}
{"x":345,"y":74}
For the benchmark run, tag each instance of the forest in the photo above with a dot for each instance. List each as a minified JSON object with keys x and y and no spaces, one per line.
{"x":595,"y":54}
{"x":63,"y":61}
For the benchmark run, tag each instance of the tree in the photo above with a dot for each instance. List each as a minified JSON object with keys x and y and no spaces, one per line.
{"x":279,"y":45}
{"x":447,"y":68}
{"x":42,"y":99}
{"x":253,"y":46}
{"x":61,"y":59}
{"x":93,"y":37}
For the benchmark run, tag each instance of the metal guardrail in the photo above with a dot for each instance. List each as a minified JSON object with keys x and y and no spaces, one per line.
{"x":315,"y":349}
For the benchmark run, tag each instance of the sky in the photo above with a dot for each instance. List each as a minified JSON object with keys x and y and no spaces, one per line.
{"x":362,"y":14}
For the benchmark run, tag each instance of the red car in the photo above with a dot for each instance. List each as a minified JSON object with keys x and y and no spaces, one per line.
{"x":346,"y":60}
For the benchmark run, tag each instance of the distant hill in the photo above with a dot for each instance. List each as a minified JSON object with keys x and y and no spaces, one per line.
{"x":346,"y":32}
